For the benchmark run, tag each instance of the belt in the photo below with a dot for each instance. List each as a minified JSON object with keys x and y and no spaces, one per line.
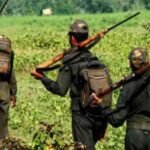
{"x":140,"y":125}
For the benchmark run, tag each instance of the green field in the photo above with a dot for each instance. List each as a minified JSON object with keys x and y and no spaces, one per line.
{"x":36,"y":39}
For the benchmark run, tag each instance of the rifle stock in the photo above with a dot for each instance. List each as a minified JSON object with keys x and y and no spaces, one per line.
{"x":51,"y":61}
{"x":80,"y":45}
{"x":60,"y":56}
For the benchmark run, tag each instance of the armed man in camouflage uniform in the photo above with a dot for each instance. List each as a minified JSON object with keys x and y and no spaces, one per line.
{"x":8,"y":86}
{"x":134,"y":104}
{"x":87,"y":129}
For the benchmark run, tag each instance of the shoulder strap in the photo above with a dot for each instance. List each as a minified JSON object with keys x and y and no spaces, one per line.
{"x":80,"y":57}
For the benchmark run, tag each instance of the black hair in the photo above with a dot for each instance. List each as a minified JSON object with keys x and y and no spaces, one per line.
{"x":79,"y":36}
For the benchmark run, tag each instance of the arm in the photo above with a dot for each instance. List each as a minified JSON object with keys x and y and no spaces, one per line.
{"x":117,"y":116}
{"x":62,"y":83}
{"x":129,"y":92}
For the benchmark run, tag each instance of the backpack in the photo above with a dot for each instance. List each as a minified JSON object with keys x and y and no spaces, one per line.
{"x":95,"y":78}
{"x":6,"y":58}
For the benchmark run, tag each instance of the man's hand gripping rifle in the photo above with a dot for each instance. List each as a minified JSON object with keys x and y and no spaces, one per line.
{"x":96,"y":98}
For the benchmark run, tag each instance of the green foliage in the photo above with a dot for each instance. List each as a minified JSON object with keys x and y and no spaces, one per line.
{"x":49,"y":137}
{"x":13,"y":143}
{"x":35,"y":7}
{"x":36,"y":39}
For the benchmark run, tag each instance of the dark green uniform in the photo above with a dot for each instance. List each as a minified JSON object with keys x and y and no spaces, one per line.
{"x":7,"y":88}
{"x":134,"y":107}
{"x":87,"y":128}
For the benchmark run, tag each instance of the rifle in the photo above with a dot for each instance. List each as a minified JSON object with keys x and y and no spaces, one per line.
{"x":3,"y":6}
{"x":118,"y":84}
{"x":82,"y":44}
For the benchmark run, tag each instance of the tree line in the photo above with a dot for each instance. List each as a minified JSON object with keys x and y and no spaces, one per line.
{"x":35,"y":7}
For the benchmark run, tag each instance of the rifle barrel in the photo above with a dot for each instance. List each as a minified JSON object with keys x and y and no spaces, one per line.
{"x":114,"y":26}
{"x":1,"y":9}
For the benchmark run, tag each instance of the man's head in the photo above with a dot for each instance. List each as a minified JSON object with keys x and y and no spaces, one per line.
{"x":138,"y":58}
{"x":78,"y":32}
{"x":5,"y":43}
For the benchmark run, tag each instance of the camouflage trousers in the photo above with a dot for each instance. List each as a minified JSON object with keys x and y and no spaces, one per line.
{"x":4,"y":108}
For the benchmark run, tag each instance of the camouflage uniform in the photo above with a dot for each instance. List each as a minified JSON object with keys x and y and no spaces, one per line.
{"x":134,"y":106}
{"x":87,"y":127}
{"x":8,"y":86}
{"x":7,"y":89}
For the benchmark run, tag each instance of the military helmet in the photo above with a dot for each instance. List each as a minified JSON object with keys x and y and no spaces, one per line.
{"x":5,"y":43}
{"x":79,"y":29}
{"x":138,"y":57}
{"x":79,"y":26}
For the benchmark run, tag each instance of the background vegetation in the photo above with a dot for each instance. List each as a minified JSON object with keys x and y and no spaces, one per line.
{"x":36,"y":39}
{"x":35,"y":7}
